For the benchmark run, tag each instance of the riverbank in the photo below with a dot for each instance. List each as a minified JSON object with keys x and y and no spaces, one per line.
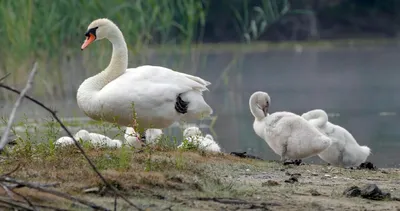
{"x":163,"y":178}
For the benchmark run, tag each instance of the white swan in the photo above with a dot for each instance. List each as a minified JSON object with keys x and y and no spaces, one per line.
{"x":344,"y":151}
{"x":288,"y":134}
{"x":132,"y":138}
{"x":194,"y":135}
{"x":158,"y":95}
{"x":97,"y":140}
{"x":64,"y":141}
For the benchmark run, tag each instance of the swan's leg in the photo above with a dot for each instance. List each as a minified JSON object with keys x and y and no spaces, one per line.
{"x":139,"y":131}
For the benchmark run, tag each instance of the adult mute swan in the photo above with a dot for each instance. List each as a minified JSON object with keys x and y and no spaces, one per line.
{"x":158,"y":95}
{"x":288,"y":134}
{"x":344,"y":151}
{"x":152,"y":136}
{"x":194,"y":135}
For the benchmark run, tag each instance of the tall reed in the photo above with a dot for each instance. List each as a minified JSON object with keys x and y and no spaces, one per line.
{"x":52,"y":31}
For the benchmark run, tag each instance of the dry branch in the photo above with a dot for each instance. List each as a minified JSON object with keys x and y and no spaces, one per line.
{"x":4,"y":77}
{"x":53,"y":113}
{"x":20,"y":204}
{"x":14,"y":204}
{"x":53,"y":192}
{"x":12,"y":171}
{"x":4,"y":138}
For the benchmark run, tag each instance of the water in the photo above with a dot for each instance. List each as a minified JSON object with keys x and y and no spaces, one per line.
{"x":359,"y":86}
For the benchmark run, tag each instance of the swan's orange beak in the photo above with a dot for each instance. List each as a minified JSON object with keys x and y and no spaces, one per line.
{"x":89,"y":39}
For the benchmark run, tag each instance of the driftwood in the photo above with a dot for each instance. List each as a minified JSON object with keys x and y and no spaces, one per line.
{"x":3,"y":142}
{"x":53,"y":192}
{"x":14,"y":203}
{"x":5,"y":76}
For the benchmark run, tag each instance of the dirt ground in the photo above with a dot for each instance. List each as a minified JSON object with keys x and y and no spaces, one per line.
{"x":159,"y":179}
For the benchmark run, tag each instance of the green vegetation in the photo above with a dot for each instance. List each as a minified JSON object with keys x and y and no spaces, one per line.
{"x":51,"y":32}
{"x":161,"y":176}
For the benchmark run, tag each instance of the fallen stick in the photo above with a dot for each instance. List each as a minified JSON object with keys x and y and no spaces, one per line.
{"x":3,"y":199}
{"x":15,"y":204}
{"x":4,"y":138}
{"x":53,"y":192}
{"x":4,"y":77}
{"x":12,"y":171}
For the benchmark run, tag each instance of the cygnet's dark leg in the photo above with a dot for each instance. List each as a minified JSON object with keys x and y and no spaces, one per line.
{"x":296,"y":162}
{"x":143,"y":138}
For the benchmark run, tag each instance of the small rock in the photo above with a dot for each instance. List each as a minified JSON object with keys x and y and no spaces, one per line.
{"x":294,"y":162}
{"x":373,"y":192}
{"x":293,"y":175}
{"x":314,"y":193}
{"x":247,"y":170}
{"x":367,"y":165}
{"x":384,"y":172}
{"x":353,"y":191}
{"x":92,"y":190}
{"x":270,"y":183}
{"x":314,"y":174}
{"x":292,"y":180}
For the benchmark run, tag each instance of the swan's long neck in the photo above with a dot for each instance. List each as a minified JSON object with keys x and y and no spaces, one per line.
{"x":255,"y":110}
{"x":317,"y":117}
{"x":88,"y":90}
{"x":116,"y":67}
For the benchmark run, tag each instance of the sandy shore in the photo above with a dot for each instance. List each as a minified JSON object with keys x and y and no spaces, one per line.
{"x":160,"y":179}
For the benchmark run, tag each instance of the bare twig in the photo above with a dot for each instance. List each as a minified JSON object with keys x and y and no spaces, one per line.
{"x":22,"y":196}
{"x":12,"y":171}
{"x":18,"y":203}
{"x":54,"y":192}
{"x":43,"y":185}
{"x":53,"y":113}
{"x":115,"y":202}
{"x":4,"y":77}
{"x":15,"y":204}
{"x":4,"y":138}
{"x":8,"y":191}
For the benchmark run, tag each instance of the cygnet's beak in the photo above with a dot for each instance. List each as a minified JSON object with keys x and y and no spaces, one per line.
{"x":265,"y":110}
{"x":89,"y":39}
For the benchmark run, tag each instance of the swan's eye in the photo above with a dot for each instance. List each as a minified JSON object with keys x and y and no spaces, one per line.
{"x":91,"y":31}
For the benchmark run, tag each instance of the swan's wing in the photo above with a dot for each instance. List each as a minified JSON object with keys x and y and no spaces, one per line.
{"x":149,"y":86}
{"x":158,"y":74}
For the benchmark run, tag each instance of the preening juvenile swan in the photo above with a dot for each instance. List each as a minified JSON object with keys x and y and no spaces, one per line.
{"x":152,"y":136}
{"x":160,"y":96}
{"x":288,"y":134}
{"x":344,"y":151}
{"x":194,"y":135}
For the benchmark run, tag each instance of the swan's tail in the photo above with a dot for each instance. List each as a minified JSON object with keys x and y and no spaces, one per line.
{"x":365,"y":150}
{"x":197,"y":108}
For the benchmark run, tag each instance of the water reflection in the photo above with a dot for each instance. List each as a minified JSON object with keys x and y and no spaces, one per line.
{"x":360,"y":84}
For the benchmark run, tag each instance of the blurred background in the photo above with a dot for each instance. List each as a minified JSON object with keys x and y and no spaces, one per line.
{"x":338,"y":55}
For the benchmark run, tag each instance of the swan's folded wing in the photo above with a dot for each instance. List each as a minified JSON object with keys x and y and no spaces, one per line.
{"x":158,"y":74}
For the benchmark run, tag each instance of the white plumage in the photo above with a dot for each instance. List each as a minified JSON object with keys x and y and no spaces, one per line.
{"x":158,"y":95}
{"x":64,"y":141}
{"x":344,"y":151}
{"x":132,"y":138}
{"x":97,"y":140}
{"x":194,"y":135}
{"x":288,"y":134}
